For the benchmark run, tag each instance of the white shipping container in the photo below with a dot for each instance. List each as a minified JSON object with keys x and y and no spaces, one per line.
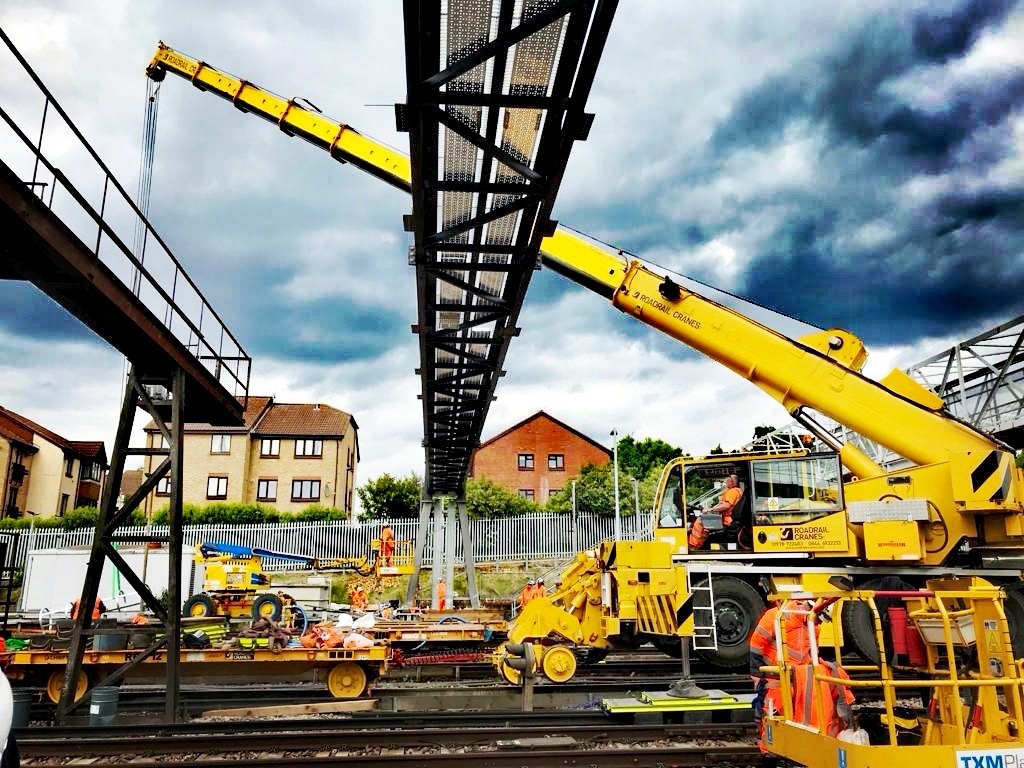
{"x":54,"y":578}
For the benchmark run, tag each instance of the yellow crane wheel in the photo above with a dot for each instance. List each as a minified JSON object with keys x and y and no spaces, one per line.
{"x":346,"y":680}
{"x":56,"y":684}
{"x":559,"y":664}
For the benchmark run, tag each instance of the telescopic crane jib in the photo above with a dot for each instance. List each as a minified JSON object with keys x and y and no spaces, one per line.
{"x":960,"y":506}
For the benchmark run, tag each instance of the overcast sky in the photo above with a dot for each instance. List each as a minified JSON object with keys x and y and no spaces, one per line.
{"x":852,"y":164}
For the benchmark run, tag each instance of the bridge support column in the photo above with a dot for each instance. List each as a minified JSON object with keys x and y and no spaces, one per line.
{"x":168,"y":415}
{"x":468,"y":555}
{"x":412,"y":595}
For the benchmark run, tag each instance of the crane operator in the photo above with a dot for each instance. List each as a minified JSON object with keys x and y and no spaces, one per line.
{"x":725,"y":506}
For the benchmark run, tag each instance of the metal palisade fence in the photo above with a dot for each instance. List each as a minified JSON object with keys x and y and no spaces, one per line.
{"x":497,"y":540}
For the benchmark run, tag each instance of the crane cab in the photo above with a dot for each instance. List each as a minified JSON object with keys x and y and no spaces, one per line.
{"x":791,"y":504}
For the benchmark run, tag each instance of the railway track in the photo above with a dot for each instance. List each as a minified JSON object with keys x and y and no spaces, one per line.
{"x":456,"y":739}
{"x":409,"y":695}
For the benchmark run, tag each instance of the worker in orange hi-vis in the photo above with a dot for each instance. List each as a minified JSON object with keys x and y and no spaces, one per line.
{"x":387,"y":543}
{"x":98,"y":609}
{"x":527,"y":593}
{"x":764,"y":653}
{"x":358,"y":599}
{"x":835,"y":698}
{"x":442,"y":593}
{"x":540,"y":590}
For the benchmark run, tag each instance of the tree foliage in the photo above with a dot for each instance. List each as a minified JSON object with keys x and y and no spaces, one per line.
{"x":638,"y":459}
{"x":595,"y":492}
{"x":79,"y":517}
{"x":485,"y":499}
{"x":388,"y":496}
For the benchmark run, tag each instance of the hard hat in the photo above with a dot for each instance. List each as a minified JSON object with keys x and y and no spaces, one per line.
{"x":531,"y":581}
{"x":540,"y":581}
{"x":359,"y":588}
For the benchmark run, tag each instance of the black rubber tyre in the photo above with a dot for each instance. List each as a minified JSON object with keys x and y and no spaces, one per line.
{"x":267,"y":606}
{"x":670,"y":646}
{"x":738,"y":606}
{"x":859,"y":631}
{"x":1014,"y":607}
{"x":859,"y":627}
{"x":199,"y":605}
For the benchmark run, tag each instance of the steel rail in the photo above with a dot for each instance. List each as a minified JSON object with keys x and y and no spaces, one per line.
{"x":318,"y":737}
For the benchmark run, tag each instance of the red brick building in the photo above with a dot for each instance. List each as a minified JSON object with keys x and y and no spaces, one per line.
{"x":537,"y":457}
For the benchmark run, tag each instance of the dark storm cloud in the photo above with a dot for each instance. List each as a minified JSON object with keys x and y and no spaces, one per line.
{"x":27,"y":311}
{"x":941,"y":282}
{"x":325,"y":332}
{"x":948,"y":257}
{"x":939,"y":38}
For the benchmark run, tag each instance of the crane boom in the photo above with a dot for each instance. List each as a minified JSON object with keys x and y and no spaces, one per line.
{"x":819,"y":371}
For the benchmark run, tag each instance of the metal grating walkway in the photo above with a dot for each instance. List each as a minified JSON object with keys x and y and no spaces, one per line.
{"x":496,"y":96}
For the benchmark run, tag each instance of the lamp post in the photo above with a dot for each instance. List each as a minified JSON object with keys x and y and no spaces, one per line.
{"x":636,"y":506}
{"x":615,"y":476}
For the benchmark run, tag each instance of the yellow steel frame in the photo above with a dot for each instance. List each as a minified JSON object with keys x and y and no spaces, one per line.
{"x":960,"y":612}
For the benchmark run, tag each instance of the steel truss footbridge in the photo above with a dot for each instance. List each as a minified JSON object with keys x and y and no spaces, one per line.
{"x":496,"y":98}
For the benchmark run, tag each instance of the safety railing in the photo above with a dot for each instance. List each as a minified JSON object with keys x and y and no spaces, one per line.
{"x":948,"y":647}
{"x":41,"y":144}
{"x":525,"y":538}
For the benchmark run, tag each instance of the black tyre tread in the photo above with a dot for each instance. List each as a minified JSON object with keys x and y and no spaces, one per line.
{"x":267,"y":599}
{"x":202,"y":599}
{"x":753,"y":605}
{"x":1014,"y":607}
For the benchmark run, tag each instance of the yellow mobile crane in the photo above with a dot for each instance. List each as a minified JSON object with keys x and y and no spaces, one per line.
{"x":805,"y":517}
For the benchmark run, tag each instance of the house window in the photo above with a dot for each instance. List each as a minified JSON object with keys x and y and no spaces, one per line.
{"x":266,"y":490}
{"x":163,"y":486}
{"x":525,"y":461}
{"x":220,"y":444}
{"x":305,"y":490}
{"x":216,"y":487}
{"x":270,"y":448}
{"x":309,"y":448}
{"x":556,"y":462}
{"x":526,"y":493}
{"x":69,"y":466}
{"x":552,"y":492}
{"x":91,"y":471}
{"x":62,"y":510}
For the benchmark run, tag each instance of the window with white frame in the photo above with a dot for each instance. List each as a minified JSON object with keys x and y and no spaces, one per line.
{"x":309,"y":449}
{"x":217,"y":487}
{"x":220,"y":444}
{"x":305,"y":490}
{"x":266,"y":489}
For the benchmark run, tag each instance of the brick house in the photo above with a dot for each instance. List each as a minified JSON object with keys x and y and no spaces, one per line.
{"x":537,"y":457}
{"x":42,"y":473}
{"x":288,"y":455}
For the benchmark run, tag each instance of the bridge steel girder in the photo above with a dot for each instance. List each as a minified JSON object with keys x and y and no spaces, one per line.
{"x":495,"y":102}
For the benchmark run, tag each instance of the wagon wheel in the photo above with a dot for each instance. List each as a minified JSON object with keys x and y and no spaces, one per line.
{"x":559,"y":664}
{"x":199,"y":605}
{"x":55,"y":684}
{"x":267,"y":606}
{"x":346,"y":680}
